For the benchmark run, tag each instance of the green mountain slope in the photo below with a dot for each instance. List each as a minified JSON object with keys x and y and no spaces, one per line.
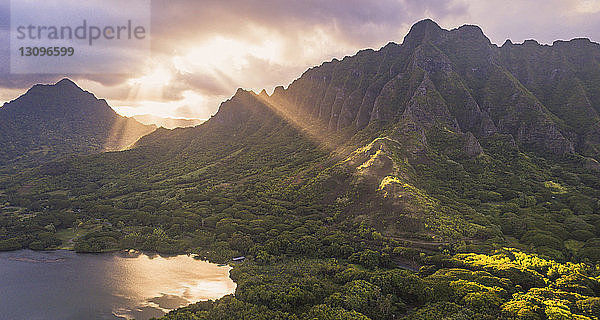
{"x":51,"y":121}
{"x":441,"y":178}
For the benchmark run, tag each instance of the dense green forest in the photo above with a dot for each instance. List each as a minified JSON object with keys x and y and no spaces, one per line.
{"x":411,"y":216}
{"x":322,"y":242}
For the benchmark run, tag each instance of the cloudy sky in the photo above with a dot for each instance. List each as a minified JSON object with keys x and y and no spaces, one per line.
{"x":203,"y":50}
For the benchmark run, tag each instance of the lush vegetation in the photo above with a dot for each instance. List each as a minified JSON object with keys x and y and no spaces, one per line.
{"x":507,"y":284}
{"x":314,"y":251}
{"x":406,"y":217}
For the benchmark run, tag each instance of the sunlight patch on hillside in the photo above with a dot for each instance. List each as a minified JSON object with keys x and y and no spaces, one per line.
{"x":124,"y":133}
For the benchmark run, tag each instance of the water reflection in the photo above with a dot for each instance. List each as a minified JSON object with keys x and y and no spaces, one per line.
{"x":126,"y":285}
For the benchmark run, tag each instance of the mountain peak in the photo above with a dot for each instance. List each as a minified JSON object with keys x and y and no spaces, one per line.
{"x":243,"y":92}
{"x":508,"y":42}
{"x":426,"y":23}
{"x":422,"y":31}
{"x":471,"y":28}
{"x":473,"y":34}
{"x":66,"y":118}
{"x":62,"y":88}
{"x":531,"y":42}
{"x":67,"y":83}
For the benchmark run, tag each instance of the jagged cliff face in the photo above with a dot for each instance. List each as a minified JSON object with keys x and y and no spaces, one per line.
{"x":441,"y":99}
{"x":444,"y":101}
{"x":546,"y":98}
{"x":565,"y":77}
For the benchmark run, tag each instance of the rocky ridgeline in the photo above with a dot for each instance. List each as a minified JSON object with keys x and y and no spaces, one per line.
{"x":545,"y":97}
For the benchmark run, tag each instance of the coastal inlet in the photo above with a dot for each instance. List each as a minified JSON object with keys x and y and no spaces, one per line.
{"x":124,"y":285}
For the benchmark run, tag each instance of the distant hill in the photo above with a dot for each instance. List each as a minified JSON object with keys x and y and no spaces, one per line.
{"x":168,"y":123}
{"x":50,"y":121}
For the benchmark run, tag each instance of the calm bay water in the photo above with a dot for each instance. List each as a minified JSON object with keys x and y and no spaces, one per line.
{"x":66,"y":285}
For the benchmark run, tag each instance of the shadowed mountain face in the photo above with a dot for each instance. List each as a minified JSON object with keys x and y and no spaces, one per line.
{"x":546,"y":97}
{"x":54,"y":120}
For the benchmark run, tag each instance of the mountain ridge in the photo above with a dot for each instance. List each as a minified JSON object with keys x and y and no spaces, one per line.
{"x":378,"y":85}
{"x":53,"y":120}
